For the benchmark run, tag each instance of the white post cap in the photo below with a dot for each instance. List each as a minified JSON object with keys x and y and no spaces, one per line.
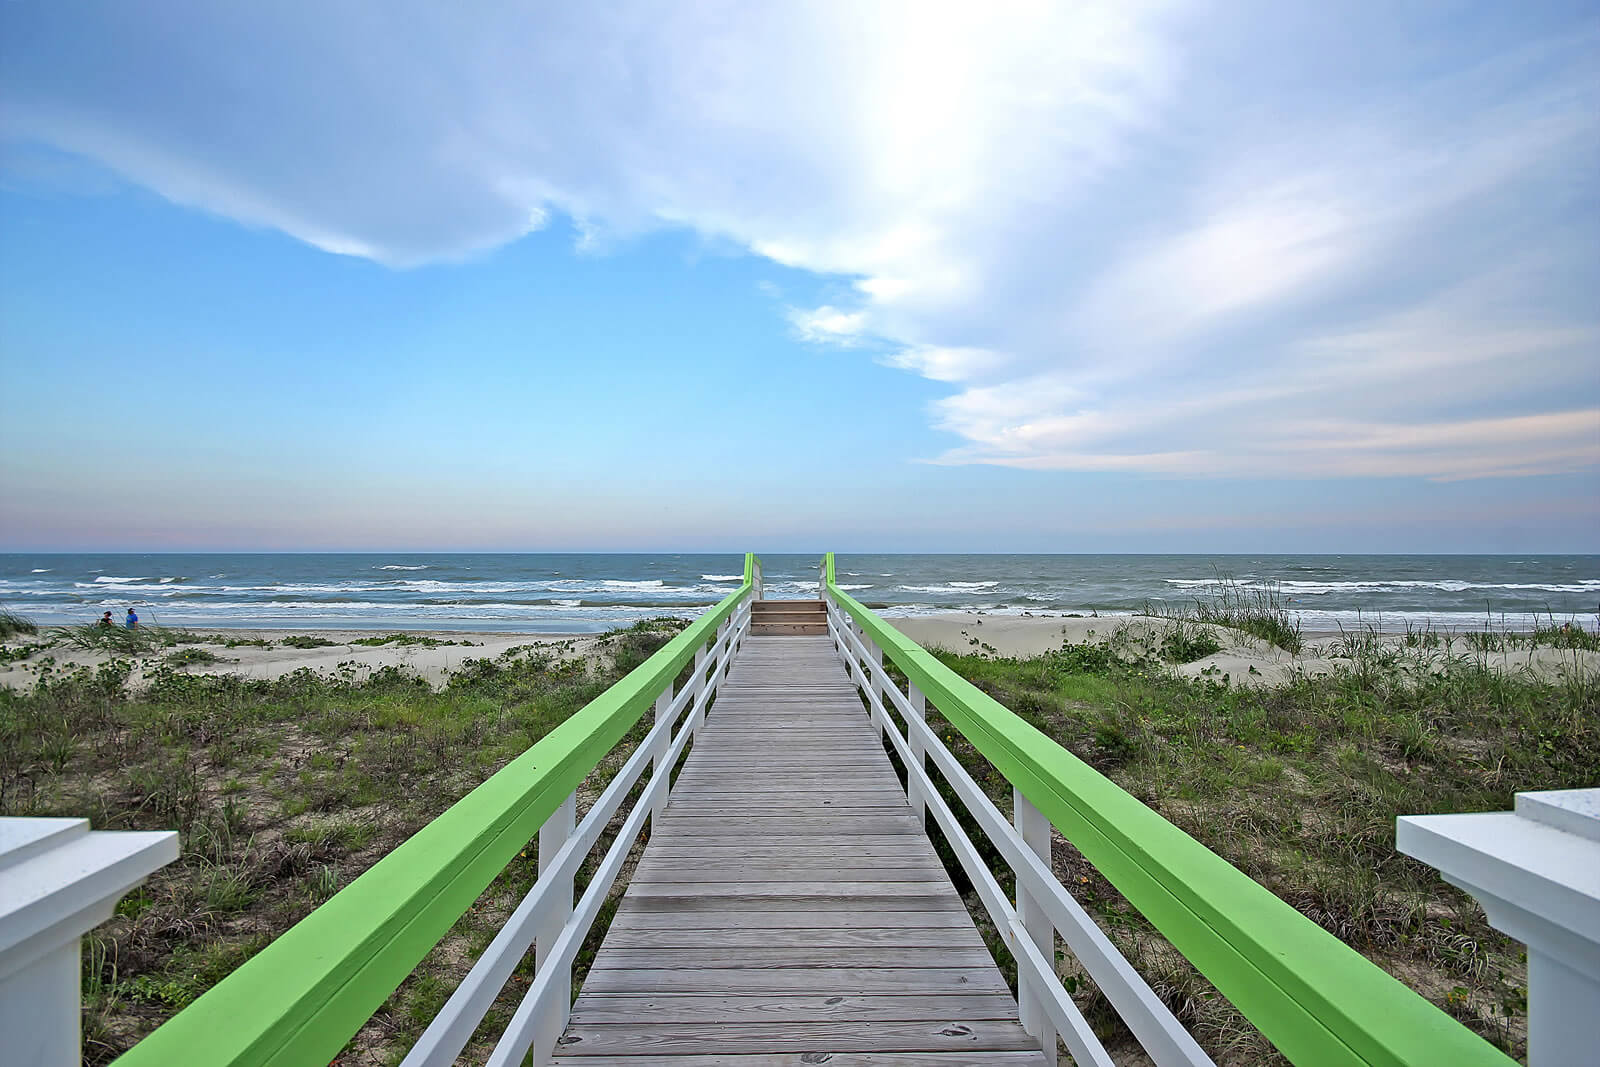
{"x":58,"y":881}
{"x":1536,"y":871}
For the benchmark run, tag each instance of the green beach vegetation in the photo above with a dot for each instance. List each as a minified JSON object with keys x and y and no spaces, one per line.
{"x":419,"y":640}
{"x":285,"y":790}
{"x":1261,"y":611}
{"x":307,"y":641}
{"x":140,"y":641}
{"x":14,"y":625}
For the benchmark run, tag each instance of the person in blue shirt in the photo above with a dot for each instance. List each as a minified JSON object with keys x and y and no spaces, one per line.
{"x":132,"y":621}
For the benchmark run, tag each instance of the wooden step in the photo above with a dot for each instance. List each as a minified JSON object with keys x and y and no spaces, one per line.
{"x":788,"y":629}
{"x":763,"y":606}
{"x":789,"y":618}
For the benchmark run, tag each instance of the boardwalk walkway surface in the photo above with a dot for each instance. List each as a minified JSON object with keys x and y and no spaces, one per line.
{"x":789,"y":909}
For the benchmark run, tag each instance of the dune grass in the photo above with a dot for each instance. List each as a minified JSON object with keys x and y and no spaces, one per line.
{"x":1298,"y":786}
{"x":404,"y":639}
{"x":141,"y":641}
{"x":283,"y":792}
{"x":15,"y":625}
{"x":1259,"y":610}
{"x":307,"y":641}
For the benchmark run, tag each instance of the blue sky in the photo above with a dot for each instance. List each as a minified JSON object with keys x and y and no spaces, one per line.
{"x":1138,"y":276}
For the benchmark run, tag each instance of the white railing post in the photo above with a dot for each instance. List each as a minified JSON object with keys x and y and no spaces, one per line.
{"x":1534,"y":871}
{"x":699,"y":685}
{"x":552,"y":835}
{"x":919,"y":756}
{"x":1034,"y":829}
{"x":658,"y":764}
{"x":58,"y":881}
{"x":878,"y":687}
{"x":761,"y":589}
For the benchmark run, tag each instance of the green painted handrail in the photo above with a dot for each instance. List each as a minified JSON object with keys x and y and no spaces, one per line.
{"x":305,"y":995}
{"x":1315,"y":998}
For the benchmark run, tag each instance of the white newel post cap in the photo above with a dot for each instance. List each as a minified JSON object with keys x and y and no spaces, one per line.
{"x":1536,"y":871}
{"x":58,"y":881}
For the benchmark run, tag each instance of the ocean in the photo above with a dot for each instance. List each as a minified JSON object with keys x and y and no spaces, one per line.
{"x":575,"y":593}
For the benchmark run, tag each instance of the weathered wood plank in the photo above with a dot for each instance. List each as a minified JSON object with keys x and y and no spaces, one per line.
{"x":708,"y":837}
{"x":714,"y":873}
{"x":775,"y":918}
{"x":667,"y":1039}
{"x":876,"y":869}
{"x":796,"y":825}
{"x":793,"y":1007}
{"x":848,"y":850}
{"x":624,"y":937}
{"x":835,"y":981}
{"x":677,"y":957}
{"x":808,"y":1059}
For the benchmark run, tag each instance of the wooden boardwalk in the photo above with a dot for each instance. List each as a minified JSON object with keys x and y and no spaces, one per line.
{"x":788,"y":908}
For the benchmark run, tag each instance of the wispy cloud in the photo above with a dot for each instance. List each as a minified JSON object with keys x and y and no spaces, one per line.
{"x":1137,"y":235}
{"x":828,"y":325}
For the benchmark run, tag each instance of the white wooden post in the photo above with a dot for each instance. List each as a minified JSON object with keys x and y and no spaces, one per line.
{"x":919,"y":756}
{"x":58,"y":881}
{"x":1034,"y":829}
{"x":878,"y":688}
{"x":699,"y":684}
{"x":552,"y":835}
{"x":1536,"y":871}
{"x":858,"y":673}
{"x":658,"y":763}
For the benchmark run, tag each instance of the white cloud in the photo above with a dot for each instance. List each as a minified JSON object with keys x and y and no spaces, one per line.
{"x":828,"y":325}
{"x":1143,"y":235}
{"x":947,"y":364}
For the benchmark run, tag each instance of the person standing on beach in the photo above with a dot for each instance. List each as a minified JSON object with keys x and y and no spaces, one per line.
{"x":105,"y":620}
{"x":132,"y":621}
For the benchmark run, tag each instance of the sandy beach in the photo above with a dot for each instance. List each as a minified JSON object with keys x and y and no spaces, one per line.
{"x":434,"y":655}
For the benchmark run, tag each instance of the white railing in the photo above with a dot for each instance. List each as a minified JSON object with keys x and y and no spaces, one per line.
{"x":1043,"y":907}
{"x":547,"y":919}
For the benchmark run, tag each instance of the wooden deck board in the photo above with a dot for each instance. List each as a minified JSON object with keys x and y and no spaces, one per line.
{"x":788,"y":908}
